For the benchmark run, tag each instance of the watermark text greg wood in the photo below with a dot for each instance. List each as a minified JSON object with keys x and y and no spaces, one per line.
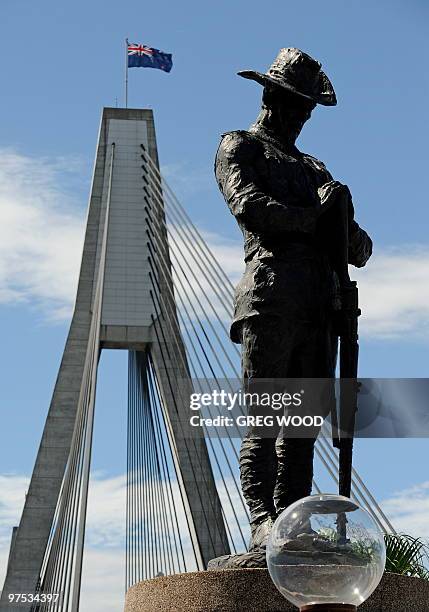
{"x":258,"y":421}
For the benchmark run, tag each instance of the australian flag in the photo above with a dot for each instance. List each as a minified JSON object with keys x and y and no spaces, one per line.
{"x":141,"y":56}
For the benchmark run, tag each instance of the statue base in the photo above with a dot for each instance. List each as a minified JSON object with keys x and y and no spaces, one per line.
{"x":252,"y":560}
{"x":251,"y":590}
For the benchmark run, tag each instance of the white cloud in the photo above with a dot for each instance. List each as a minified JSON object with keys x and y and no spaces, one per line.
{"x":228,"y":253}
{"x":393,"y":288}
{"x":408,"y":510}
{"x":394,"y":293}
{"x":106,"y":511}
{"x":41,"y":232}
{"x":103,"y":580}
{"x":12,"y":496}
{"x":41,"y":235}
{"x":104,"y":558}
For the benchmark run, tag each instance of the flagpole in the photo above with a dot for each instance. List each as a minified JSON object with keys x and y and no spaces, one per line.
{"x":126,"y":73}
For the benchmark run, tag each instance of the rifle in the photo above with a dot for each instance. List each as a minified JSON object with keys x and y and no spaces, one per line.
{"x":346,"y":327}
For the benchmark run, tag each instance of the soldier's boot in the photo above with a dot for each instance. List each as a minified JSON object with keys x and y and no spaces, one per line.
{"x":294,"y":475}
{"x":258,"y":469}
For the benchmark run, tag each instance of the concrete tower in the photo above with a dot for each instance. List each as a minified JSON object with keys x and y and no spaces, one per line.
{"x":115,"y":309}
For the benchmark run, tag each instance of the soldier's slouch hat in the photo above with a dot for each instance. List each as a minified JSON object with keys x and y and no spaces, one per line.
{"x":299,"y":73}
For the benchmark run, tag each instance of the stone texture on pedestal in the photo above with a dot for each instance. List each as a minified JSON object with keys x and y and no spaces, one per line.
{"x":251,"y":590}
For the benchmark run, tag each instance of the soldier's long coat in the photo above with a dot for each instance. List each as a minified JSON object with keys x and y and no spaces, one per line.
{"x":272,"y":192}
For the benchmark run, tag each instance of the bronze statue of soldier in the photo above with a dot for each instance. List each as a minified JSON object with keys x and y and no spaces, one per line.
{"x":284,"y":301}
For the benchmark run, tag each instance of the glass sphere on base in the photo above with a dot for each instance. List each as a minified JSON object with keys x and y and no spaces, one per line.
{"x":326,"y":554}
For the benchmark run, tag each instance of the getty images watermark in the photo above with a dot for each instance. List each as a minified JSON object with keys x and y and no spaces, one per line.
{"x":371,"y":407}
{"x":250,"y":409}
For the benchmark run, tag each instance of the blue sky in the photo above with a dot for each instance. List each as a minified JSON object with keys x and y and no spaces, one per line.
{"x":61,"y":62}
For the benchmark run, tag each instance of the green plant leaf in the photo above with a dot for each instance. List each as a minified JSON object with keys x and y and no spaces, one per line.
{"x":406,"y":555}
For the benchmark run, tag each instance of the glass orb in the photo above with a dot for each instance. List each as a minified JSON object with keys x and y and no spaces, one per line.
{"x":326,"y":549}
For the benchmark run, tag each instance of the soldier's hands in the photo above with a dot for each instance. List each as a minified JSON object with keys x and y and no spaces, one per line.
{"x":328,"y":191}
{"x":328,"y":194}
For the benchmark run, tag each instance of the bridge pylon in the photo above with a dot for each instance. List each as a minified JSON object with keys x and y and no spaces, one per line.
{"x":125,"y":300}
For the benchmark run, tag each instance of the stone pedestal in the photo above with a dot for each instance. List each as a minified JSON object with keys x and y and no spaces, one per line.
{"x":251,"y":590}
